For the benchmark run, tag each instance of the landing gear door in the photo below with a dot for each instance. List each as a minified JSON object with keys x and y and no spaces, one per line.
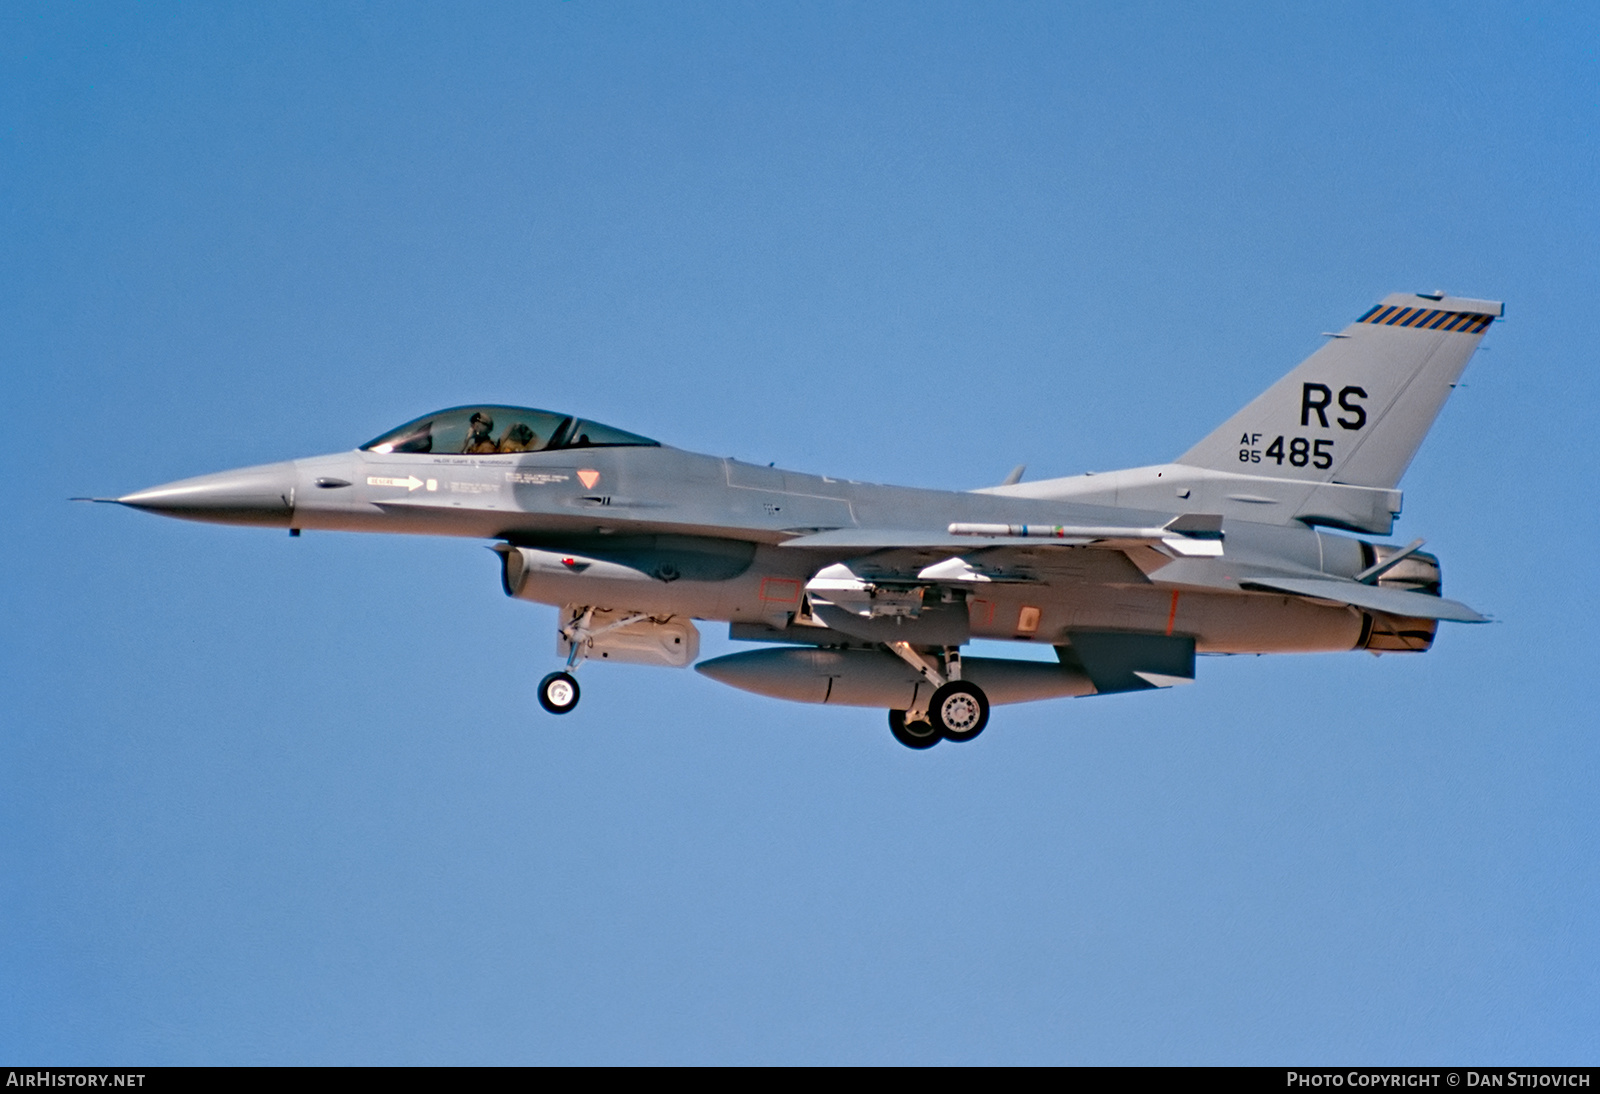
{"x":673,"y":642}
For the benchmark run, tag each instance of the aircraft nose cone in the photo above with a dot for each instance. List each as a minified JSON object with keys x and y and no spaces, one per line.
{"x":251,"y":495}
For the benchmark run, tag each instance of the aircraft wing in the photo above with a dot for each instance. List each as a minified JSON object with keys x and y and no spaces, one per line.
{"x":983,"y":563}
{"x":1376,"y":598}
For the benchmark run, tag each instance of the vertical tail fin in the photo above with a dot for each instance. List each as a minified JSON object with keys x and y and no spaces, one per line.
{"x":1356,"y":410}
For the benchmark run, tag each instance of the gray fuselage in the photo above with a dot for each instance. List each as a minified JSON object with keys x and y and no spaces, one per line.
{"x":702,"y":536}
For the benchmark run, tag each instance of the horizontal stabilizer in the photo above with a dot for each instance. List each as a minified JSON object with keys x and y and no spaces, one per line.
{"x":1372,"y":597}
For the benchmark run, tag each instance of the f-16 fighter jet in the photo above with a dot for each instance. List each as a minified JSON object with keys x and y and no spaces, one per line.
{"x":865,"y":595}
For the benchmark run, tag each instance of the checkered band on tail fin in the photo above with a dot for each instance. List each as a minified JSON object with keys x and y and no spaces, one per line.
{"x":1393,"y":315}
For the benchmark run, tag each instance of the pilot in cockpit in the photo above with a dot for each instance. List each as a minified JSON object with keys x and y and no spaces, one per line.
{"x":479,"y":439}
{"x":518,"y":438}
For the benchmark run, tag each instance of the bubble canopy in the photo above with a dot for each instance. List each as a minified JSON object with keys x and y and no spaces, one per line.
{"x":492,"y":430}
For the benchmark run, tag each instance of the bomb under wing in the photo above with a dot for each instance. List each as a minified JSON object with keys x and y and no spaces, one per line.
{"x":1252,"y":541}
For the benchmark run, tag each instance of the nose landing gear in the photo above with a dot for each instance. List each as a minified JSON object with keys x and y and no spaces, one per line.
{"x":558,"y":692}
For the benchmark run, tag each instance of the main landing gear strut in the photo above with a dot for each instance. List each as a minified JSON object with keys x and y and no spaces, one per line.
{"x":957,"y":711}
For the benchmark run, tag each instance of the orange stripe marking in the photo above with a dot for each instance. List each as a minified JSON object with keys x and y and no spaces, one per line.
{"x":1172,"y":613}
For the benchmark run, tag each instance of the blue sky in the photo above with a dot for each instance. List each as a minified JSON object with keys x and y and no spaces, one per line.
{"x":291,"y":801}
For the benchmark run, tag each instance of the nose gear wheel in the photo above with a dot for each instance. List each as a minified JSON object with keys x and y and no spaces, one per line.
{"x":558,"y":692}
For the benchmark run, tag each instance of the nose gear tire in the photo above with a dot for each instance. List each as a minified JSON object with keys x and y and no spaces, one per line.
{"x":558,"y":692}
